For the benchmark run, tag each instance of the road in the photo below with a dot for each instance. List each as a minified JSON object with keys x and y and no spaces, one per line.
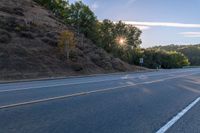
{"x":161,"y":101}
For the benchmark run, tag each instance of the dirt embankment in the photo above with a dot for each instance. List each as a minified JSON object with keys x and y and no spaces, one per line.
{"x":28,"y":46}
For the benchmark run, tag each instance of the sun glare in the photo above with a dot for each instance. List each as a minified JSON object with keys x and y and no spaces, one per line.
{"x":121,"y":40}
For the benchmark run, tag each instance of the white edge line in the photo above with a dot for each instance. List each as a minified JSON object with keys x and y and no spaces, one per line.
{"x":84,"y":93}
{"x":30,"y":88}
{"x":177,"y":117}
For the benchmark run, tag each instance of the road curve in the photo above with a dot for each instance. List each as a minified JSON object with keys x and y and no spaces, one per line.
{"x":162,"y":101}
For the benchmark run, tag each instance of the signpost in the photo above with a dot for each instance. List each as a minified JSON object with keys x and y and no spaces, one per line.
{"x":141,"y":61}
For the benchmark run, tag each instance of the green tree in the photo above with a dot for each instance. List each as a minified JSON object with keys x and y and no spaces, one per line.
{"x":121,"y":40}
{"x":192,"y":52}
{"x":82,"y":18}
{"x":133,"y":36}
{"x":59,"y":7}
{"x":166,"y":59}
{"x":107,"y":35}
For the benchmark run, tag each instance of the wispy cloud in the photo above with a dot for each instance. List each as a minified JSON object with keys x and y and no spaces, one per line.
{"x":142,"y":27}
{"x":163,"y":24}
{"x":190,"y":34}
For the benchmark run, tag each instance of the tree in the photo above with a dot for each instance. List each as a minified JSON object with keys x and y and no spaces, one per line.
{"x":166,"y":59}
{"x":59,"y":7}
{"x":131,"y":33}
{"x":133,"y":36}
{"x":82,"y":18}
{"x":192,"y":52}
{"x":67,"y":42}
{"x":107,"y":35}
{"x":120,"y":29}
{"x":120,"y":39}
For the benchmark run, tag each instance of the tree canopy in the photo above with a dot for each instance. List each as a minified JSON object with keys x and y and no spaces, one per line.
{"x":192,"y":52}
{"x":154,"y":58}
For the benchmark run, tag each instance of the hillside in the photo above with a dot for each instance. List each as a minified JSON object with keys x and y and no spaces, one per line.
{"x":192,"y":52}
{"x":28,"y":46}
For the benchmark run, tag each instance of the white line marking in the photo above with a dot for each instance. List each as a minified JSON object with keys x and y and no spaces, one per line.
{"x":86,"y":93}
{"x":57,"y":85}
{"x":61,"y":97}
{"x":177,"y":117}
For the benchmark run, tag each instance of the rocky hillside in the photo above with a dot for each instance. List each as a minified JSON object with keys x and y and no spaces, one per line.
{"x":28,"y":46}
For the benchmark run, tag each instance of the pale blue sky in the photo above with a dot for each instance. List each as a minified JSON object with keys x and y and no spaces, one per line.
{"x":162,"y":21}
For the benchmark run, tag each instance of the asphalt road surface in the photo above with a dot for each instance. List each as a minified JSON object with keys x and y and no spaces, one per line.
{"x":161,"y":101}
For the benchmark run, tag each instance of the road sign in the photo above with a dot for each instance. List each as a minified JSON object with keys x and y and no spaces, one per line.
{"x":141,"y":60}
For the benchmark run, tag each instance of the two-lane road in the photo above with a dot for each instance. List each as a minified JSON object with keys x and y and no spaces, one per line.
{"x":163,"y":101}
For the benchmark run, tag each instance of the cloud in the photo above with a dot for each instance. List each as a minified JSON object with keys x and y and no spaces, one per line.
{"x":149,"y":25}
{"x":190,"y":34}
{"x":142,"y":27}
{"x":163,"y":24}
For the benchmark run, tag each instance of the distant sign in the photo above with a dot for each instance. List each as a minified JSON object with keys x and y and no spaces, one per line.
{"x":141,"y":60}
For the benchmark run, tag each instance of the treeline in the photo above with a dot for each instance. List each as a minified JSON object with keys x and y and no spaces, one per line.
{"x":192,"y":52}
{"x":119,"y":39}
{"x":155,"y":58}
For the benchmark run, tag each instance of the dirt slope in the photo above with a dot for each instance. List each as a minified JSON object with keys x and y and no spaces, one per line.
{"x":28,"y":46}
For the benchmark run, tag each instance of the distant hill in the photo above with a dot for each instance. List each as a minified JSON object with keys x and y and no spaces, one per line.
{"x":192,"y":52}
{"x":28,"y":46}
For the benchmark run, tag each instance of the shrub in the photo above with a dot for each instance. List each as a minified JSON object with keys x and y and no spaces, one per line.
{"x":66,"y":42}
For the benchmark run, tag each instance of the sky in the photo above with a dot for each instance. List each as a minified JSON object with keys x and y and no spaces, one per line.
{"x":162,"y":22}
